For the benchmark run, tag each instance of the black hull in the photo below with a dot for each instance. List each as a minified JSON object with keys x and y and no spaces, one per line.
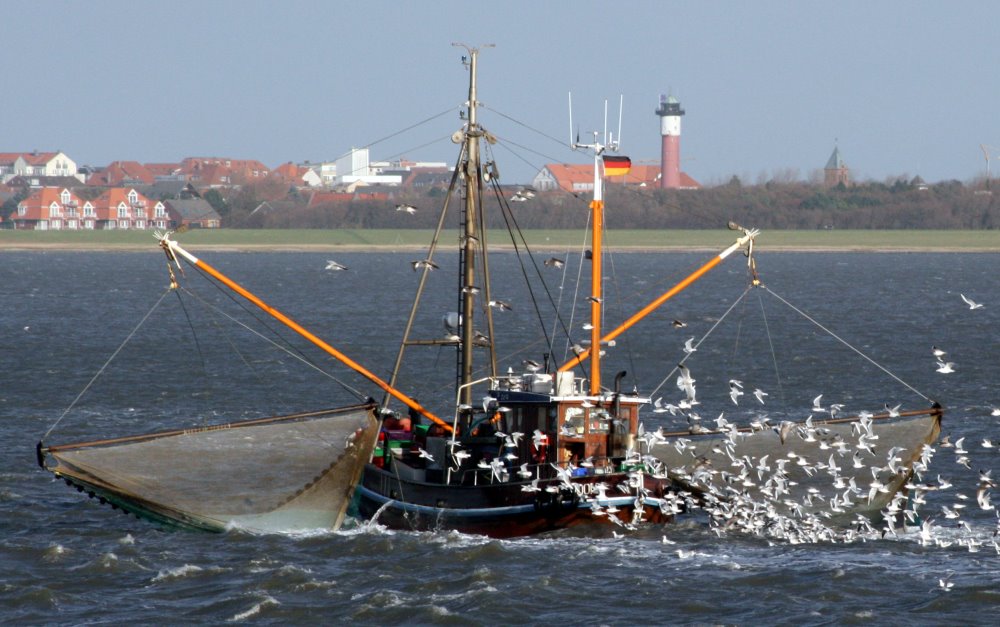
{"x":501,"y":510}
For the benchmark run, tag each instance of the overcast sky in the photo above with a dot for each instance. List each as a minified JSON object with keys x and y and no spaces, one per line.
{"x":903,"y":88}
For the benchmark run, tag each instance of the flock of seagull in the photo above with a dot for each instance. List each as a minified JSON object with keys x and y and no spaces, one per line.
{"x":777,"y":497}
{"x":805,"y":494}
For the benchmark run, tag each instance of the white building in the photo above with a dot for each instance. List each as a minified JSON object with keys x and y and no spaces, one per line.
{"x":354,"y":167}
{"x":36,"y":164}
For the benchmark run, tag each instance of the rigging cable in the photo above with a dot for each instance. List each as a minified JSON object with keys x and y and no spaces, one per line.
{"x":288,"y":347}
{"x":770,"y":343}
{"x":107,"y":363}
{"x":513,"y":227}
{"x":703,"y":338}
{"x":848,"y":345}
{"x":621,"y":313}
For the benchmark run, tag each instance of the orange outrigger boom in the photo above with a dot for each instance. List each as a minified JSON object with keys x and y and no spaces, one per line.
{"x":747,"y":238}
{"x":173,"y":249}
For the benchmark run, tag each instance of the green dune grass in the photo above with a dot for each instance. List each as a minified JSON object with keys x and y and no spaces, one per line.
{"x":389,"y":239}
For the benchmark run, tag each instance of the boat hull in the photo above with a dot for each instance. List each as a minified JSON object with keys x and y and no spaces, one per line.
{"x":506,"y":509}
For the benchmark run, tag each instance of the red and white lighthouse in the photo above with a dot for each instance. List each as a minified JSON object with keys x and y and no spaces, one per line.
{"x":670,"y":113}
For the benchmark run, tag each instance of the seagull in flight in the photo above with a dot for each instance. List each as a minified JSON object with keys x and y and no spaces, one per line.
{"x":501,"y":305}
{"x":679,"y":324}
{"x":938,"y":352}
{"x":759,"y":394}
{"x":410,"y":209}
{"x":945,"y":368}
{"x":689,"y":346}
{"x":333,"y":265}
{"x":423,"y":263}
{"x":554,"y":262}
{"x":735,"y":390}
{"x":816,"y":405}
{"x":971,"y":303}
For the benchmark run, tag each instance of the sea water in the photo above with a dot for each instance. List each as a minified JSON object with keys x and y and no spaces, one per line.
{"x":65,"y":559}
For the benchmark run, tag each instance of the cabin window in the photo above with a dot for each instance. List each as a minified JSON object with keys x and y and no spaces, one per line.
{"x":573,"y":421}
{"x":88,"y":224}
{"x":122,"y":211}
{"x":123,"y":224}
{"x":599,"y":420}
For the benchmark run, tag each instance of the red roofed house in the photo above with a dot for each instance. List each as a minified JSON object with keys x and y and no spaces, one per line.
{"x":125,"y":208}
{"x":580,"y":178}
{"x":122,"y":173}
{"x":296,"y":175}
{"x":52,"y":208}
{"x":649,"y":176}
{"x":164,"y":170}
{"x":220,"y":172}
{"x":35,"y":164}
{"x":572,"y":178}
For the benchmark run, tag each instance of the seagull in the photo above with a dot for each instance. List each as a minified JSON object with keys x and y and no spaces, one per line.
{"x":689,"y":346}
{"x":423,"y":263}
{"x":501,"y":305}
{"x":816,"y":406}
{"x":735,"y":390}
{"x":759,"y":394}
{"x":685,"y":382}
{"x":518,"y":197}
{"x":333,"y":265}
{"x":893,"y":411}
{"x":938,"y":352}
{"x":554,"y":262}
{"x":410,"y":209}
{"x":679,"y":324}
{"x":945,"y":368}
{"x":971,"y":303}
{"x":425,"y":454}
{"x":531,"y":365}
{"x":595,"y":299}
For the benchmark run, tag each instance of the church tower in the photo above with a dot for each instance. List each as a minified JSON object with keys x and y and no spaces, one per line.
{"x":836,"y":172}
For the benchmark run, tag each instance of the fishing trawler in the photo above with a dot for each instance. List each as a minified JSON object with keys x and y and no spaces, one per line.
{"x":548,"y":446}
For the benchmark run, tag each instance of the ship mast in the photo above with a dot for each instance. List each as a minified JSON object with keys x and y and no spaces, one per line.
{"x":471,"y":176}
{"x":597,"y":231}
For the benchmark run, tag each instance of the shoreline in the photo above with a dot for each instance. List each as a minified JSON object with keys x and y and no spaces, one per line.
{"x":416,"y":241}
{"x":413,"y":248}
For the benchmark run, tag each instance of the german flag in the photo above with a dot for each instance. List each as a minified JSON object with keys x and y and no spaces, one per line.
{"x":616,"y":166}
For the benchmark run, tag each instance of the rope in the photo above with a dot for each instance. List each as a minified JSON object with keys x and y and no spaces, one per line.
{"x":770,"y":343}
{"x":107,"y":363}
{"x":295,"y":354}
{"x":703,"y":338}
{"x":848,"y":345}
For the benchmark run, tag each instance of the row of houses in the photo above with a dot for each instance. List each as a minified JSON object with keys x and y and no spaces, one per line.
{"x":346,"y":174}
{"x":55,"y":209}
{"x":208,"y":172}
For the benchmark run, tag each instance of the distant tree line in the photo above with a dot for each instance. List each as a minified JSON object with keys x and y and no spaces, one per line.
{"x":773,"y":205}
{"x":899,"y":204}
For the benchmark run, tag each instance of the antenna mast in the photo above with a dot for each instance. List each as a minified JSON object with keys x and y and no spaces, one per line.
{"x":597,"y":147}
